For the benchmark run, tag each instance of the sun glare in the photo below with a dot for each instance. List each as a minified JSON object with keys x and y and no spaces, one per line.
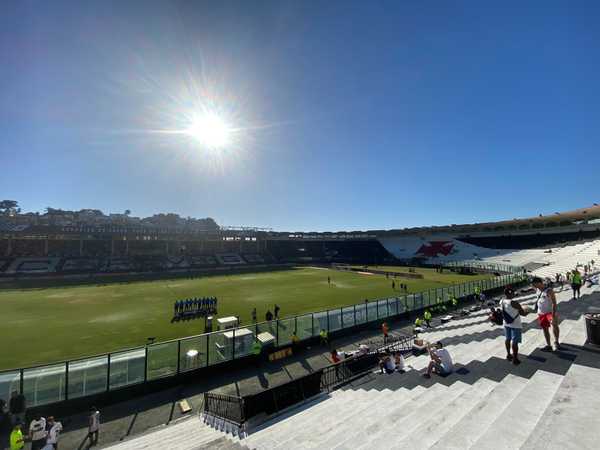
{"x":210,"y":130}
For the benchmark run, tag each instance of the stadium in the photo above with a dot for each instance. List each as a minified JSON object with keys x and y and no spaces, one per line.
{"x":283,"y":224}
{"x":118,"y":278}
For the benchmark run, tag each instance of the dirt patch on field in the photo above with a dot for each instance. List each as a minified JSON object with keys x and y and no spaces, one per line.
{"x":61,"y":295}
{"x":111,"y":318}
{"x":366,"y":273}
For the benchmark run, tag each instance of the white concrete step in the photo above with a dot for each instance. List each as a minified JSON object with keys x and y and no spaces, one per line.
{"x":283,"y":426}
{"x":187,"y":434}
{"x":409,"y":420}
{"x":572,"y":410}
{"x":511,"y":430}
{"x":281,"y":431}
{"x":343,"y":416}
{"x":465,"y":432}
{"x":373,"y":411}
{"x":512,"y":426}
{"x":439,"y":420}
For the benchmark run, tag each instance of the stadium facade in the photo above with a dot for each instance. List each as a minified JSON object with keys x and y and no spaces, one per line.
{"x":54,"y":244}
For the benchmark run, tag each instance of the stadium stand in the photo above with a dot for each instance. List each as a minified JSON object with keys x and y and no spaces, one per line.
{"x":33,"y":265}
{"x":324,"y":251}
{"x":254,"y":258}
{"x":78,"y":265}
{"x":230,"y":259}
{"x":474,"y":407}
{"x":118,"y":265}
{"x":177,"y":262}
{"x":200,"y":261}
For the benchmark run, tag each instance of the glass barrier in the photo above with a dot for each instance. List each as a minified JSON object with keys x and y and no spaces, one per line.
{"x":361,"y":313}
{"x":335,"y":319}
{"x":263,"y":327}
{"x":382,"y":309}
{"x":88,"y":376}
{"x":127,"y":368}
{"x":421,"y":299}
{"x":348,"y":316}
{"x":43,"y":385}
{"x":371,"y":311}
{"x":9,"y":382}
{"x":193,"y":353}
{"x":286,"y":328}
{"x":304,"y":327}
{"x":162,"y":360}
{"x":320,"y":319}
{"x":393,"y":306}
{"x":243,"y":338}
{"x":402,"y":305}
{"x":220,"y":344}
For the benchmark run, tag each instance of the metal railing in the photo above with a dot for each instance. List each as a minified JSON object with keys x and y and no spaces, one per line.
{"x":226,"y":407}
{"x":97,"y":374}
{"x":346,"y":370}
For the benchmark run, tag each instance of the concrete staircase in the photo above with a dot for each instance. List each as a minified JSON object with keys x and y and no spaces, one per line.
{"x":186,"y":434}
{"x":486,"y":403}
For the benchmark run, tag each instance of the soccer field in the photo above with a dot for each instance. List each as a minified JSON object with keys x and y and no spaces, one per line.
{"x":43,"y":325}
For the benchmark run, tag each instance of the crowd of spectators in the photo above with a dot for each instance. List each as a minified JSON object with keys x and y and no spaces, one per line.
{"x":43,"y":433}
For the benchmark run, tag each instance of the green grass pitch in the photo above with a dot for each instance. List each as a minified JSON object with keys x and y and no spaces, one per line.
{"x":43,"y":325}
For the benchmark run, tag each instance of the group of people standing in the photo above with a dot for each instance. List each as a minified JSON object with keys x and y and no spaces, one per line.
{"x":546,"y":308}
{"x":268,"y":315}
{"x":574,"y":278}
{"x":198,"y":306}
{"x":44,"y":432}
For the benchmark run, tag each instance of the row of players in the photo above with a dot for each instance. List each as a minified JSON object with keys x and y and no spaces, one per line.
{"x":195,"y":305}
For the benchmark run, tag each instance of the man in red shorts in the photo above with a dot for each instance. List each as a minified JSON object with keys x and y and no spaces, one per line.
{"x":547,"y":316}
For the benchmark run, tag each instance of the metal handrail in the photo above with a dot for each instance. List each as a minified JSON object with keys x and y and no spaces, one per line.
{"x":223,"y":406}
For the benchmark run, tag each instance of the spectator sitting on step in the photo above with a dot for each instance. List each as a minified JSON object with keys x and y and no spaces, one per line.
{"x":387,"y":364}
{"x":399,"y":362}
{"x":441,"y":361}
{"x":363,"y":349}
{"x":335,"y":356}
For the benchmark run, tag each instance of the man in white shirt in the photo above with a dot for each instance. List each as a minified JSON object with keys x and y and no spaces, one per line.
{"x":37,"y":432}
{"x":53,"y":428}
{"x":441,"y":361}
{"x":511,"y":315}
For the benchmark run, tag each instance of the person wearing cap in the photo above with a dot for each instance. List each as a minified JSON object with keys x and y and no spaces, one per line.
{"x":93,"y":426}
{"x":513,"y":327}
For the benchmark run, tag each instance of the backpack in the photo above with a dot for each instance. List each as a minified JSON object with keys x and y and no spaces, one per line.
{"x":495,"y":316}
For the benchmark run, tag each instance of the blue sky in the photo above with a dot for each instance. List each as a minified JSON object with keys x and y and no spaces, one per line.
{"x":347,"y":115}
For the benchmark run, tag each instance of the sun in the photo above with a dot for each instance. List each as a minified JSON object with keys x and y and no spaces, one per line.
{"x":211,"y":130}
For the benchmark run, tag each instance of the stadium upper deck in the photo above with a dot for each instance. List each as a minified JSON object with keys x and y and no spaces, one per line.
{"x":88,"y":241}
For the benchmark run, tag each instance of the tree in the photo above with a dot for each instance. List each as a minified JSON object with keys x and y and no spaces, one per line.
{"x":9,"y":207}
{"x":127,"y":212}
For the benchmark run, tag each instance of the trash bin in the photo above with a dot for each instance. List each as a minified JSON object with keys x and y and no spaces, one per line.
{"x":592,"y":325}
